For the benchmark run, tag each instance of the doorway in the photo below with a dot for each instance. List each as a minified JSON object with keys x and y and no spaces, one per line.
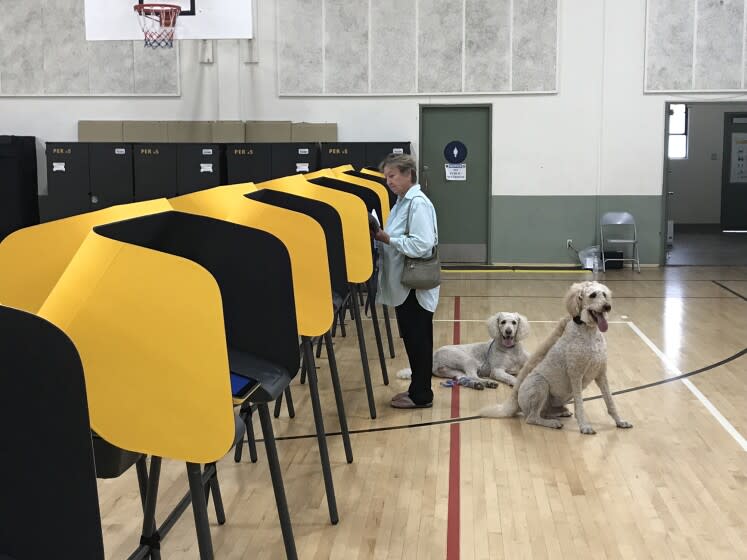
{"x":697,"y":171}
{"x":455,"y":173}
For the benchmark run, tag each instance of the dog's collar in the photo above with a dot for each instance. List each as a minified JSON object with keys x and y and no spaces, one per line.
{"x":577,"y":320}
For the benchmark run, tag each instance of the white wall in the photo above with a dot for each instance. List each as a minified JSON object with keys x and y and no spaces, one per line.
{"x":599,"y":135}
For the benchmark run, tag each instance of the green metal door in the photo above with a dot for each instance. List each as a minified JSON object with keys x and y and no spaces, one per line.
{"x":454,"y":167}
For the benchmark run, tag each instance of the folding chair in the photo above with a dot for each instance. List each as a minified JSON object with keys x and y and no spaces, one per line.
{"x":622,"y":226}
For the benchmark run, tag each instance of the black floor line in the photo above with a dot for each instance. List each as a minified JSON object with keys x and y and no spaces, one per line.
{"x":676,"y":377}
{"x":720,"y":285}
{"x":383,"y":428}
{"x":468,"y":418}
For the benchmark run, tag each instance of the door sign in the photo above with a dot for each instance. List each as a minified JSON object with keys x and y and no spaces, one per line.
{"x":455,"y":152}
{"x":456,"y":171}
{"x":738,"y":157}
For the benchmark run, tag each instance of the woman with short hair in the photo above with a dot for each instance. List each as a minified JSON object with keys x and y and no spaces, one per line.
{"x":411,"y":230}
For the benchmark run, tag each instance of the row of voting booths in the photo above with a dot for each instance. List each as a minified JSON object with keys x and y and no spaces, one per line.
{"x":149,"y":331}
{"x":87,"y":176}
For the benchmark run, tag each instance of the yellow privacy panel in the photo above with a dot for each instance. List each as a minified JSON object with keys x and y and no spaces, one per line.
{"x":32,"y":259}
{"x":217,"y":202}
{"x":307,"y":247}
{"x":155,"y":362}
{"x":375,"y":186}
{"x":371,"y":172}
{"x":339,"y":174}
{"x":301,"y":235}
{"x":319,"y":173}
{"x":353,"y":216}
{"x":327,"y":172}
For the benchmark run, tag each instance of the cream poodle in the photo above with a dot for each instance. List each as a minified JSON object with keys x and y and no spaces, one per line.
{"x":483,"y":364}
{"x":572,"y":357}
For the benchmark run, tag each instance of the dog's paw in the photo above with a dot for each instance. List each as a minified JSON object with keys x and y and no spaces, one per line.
{"x":564,"y":413}
{"x":404,"y":373}
{"x":472,"y":383}
{"x":587,"y":430}
{"x":624,"y":424}
{"x":490,"y":384}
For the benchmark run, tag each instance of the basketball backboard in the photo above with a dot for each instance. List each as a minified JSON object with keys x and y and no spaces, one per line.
{"x":116,"y":20}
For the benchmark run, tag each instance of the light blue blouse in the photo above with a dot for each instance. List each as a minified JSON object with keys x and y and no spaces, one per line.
{"x":419,"y":243}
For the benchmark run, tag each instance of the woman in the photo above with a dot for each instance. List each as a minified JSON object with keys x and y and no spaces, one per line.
{"x":414,"y":308}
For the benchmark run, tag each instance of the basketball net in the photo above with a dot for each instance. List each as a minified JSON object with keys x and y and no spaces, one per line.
{"x":158,"y":22}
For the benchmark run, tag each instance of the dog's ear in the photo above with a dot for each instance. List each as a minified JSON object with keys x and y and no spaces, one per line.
{"x":492,"y":324}
{"x":523,"y":328}
{"x":573,"y":298}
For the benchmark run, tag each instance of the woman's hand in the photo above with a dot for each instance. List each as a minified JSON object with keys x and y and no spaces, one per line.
{"x":382,"y":236}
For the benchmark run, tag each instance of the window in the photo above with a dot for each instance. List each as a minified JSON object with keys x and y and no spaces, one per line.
{"x":677,"y":141}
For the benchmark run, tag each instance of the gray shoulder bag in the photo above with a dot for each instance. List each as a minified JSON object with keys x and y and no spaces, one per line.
{"x":423,"y":273}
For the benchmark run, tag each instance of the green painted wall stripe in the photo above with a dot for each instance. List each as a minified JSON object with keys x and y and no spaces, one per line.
{"x":534,"y":229}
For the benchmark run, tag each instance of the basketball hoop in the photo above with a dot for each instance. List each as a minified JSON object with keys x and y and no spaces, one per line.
{"x":158,"y":22}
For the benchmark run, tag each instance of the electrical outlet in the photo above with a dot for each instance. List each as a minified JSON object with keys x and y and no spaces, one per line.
{"x":568,"y":243}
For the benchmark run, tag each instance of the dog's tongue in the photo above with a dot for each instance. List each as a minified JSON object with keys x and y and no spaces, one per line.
{"x":602,"y":322}
{"x":508,"y":342}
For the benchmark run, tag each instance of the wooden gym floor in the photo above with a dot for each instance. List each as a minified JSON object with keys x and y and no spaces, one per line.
{"x":425,"y":486}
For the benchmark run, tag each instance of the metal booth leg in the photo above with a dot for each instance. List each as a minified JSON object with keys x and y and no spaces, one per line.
{"x":364,"y":354}
{"x":377,"y":335}
{"x":277,"y":482}
{"x":199,"y":509}
{"x":321,"y":436}
{"x":338,"y":398}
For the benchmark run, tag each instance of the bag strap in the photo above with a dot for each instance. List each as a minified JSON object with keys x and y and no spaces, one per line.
{"x":409,"y":212}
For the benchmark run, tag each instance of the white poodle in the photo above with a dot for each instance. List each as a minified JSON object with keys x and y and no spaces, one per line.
{"x":573,"y":356}
{"x":482,"y":364}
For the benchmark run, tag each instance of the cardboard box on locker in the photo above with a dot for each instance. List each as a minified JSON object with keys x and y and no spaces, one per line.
{"x":189,"y":131}
{"x":100,"y":131}
{"x":268,"y":131}
{"x":145,"y":131}
{"x":314,"y":132}
{"x":227,"y":131}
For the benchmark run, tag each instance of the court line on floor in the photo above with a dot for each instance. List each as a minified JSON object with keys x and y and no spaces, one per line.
{"x":730,"y":429}
{"x":720,"y":285}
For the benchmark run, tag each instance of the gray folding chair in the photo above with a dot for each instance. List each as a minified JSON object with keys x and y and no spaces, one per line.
{"x":621,"y":226}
